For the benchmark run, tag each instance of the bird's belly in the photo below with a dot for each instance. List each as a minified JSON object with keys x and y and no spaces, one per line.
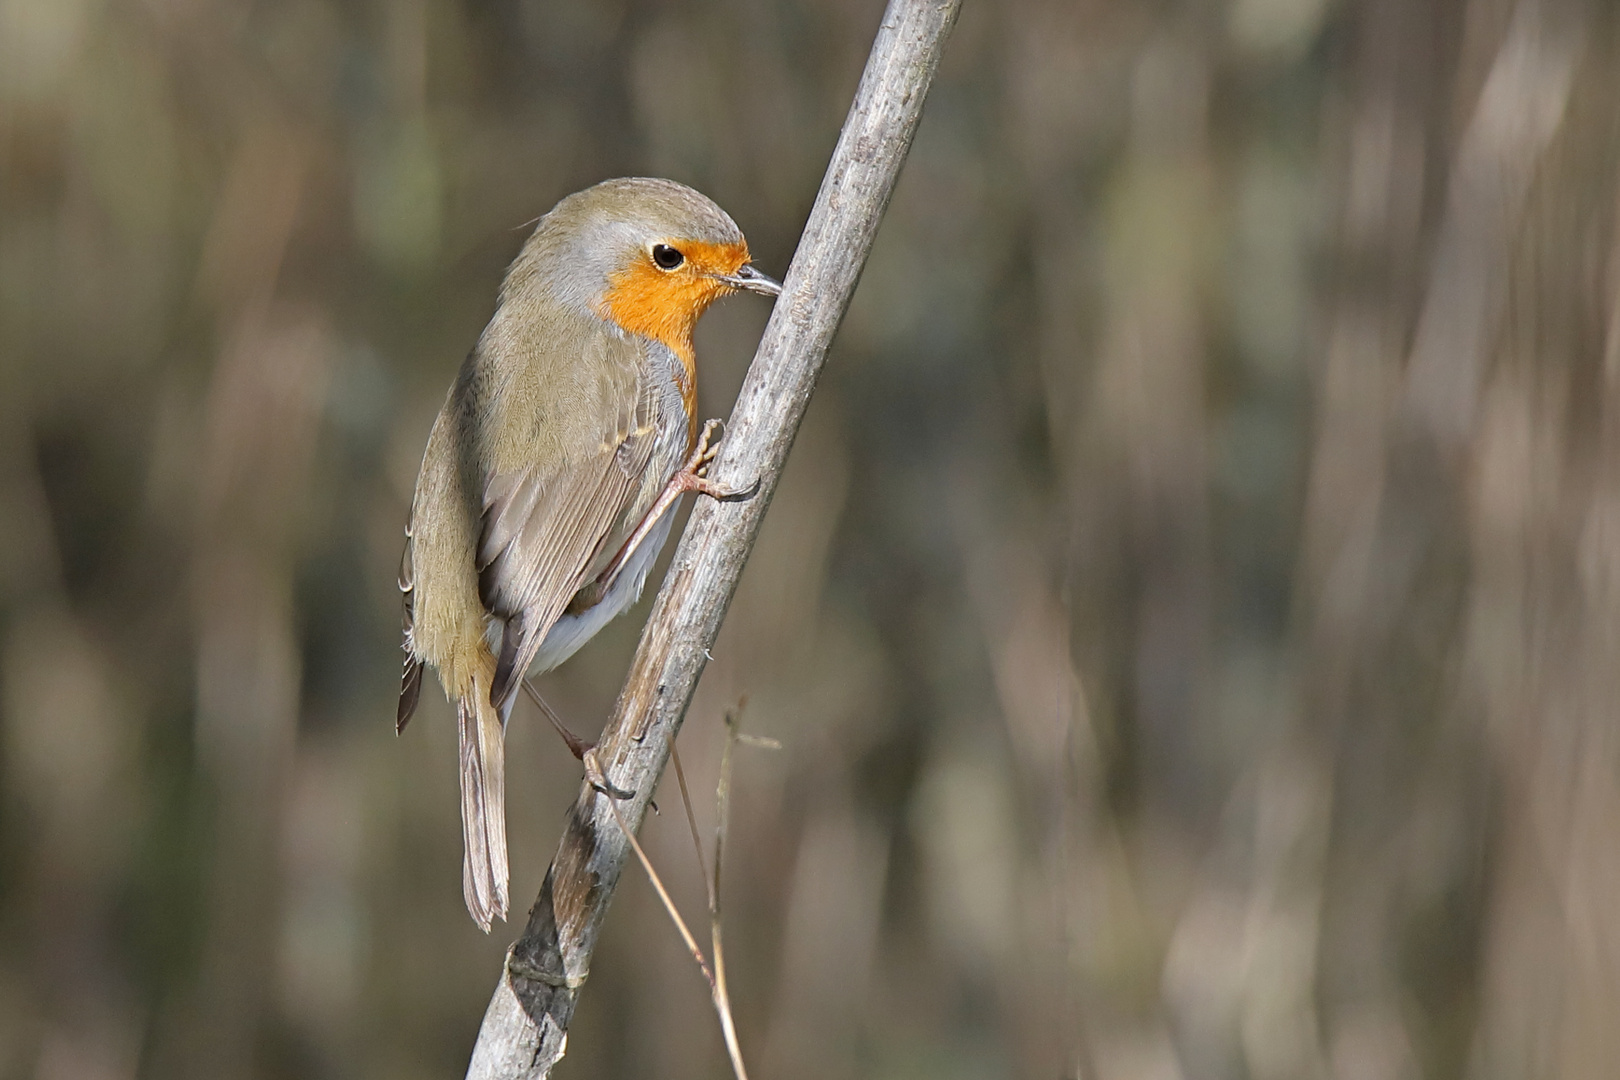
{"x":570,"y":632}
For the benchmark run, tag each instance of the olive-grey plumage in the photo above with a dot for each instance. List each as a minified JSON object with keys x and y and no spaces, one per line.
{"x":566,"y":423}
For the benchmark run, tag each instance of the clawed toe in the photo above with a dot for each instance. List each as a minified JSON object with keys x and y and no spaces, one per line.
{"x":599,"y":780}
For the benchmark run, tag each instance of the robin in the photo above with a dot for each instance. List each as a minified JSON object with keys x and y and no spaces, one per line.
{"x":549,"y":476}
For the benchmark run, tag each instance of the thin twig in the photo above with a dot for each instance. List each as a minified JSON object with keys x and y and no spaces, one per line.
{"x":669,"y":905}
{"x":525,"y":1028}
{"x":691,"y":822}
{"x":717,"y":975}
{"x":722,"y":802}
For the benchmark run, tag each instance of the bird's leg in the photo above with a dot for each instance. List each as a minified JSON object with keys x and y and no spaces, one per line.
{"x":580,"y":748}
{"x":576,"y":745}
{"x":690,"y":477}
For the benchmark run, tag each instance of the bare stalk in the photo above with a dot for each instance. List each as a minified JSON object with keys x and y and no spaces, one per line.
{"x":722,"y":802}
{"x":525,"y":1028}
{"x":717,"y":975}
{"x":691,"y":821}
{"x":669,"y":906}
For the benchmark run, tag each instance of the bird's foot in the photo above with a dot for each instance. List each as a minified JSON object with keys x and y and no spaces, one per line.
{"x":693,"y":476}
{"x":598,"y":778}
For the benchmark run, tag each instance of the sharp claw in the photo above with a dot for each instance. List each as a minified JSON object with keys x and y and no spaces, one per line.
{"x":723,"y":494}
{"x":733,"y":494}
{"x":599,"y":780}
{"x":694,"y":476}
{"x":607,"y":788}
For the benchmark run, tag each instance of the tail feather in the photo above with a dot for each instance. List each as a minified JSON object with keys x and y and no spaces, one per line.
{"x":484,"y":871}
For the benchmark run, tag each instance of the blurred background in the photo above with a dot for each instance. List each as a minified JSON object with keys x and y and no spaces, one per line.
{"x":1191,"y":614}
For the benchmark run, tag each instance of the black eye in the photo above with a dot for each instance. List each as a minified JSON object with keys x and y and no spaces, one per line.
{"x":667,"y":257}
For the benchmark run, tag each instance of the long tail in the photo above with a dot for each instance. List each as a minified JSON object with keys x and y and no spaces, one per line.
{"x":484,"y":872}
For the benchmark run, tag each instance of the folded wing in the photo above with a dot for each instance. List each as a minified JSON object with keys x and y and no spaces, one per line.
{"x":545,"y":532}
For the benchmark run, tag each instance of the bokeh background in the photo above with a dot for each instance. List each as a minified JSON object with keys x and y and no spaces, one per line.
{"x":1191,"y":614}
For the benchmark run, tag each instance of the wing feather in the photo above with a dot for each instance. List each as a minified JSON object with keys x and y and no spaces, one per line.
{"x":410,"y":679}
{"x":544,"y":532}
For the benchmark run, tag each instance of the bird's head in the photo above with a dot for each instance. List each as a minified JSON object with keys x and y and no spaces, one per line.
{"x":648,"y":255}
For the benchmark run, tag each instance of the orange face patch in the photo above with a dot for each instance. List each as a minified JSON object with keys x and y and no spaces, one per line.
{"x":665,"y":305}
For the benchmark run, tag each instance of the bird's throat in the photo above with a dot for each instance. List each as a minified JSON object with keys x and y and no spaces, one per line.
{"x":665,"y":307}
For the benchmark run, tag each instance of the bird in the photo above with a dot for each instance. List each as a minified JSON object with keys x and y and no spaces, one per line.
{"x":567,"y":437}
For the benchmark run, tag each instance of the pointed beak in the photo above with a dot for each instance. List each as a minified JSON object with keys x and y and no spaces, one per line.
{"x":752,"y":280}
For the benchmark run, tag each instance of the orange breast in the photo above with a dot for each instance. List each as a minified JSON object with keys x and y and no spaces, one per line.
{"x":665,"y":305}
